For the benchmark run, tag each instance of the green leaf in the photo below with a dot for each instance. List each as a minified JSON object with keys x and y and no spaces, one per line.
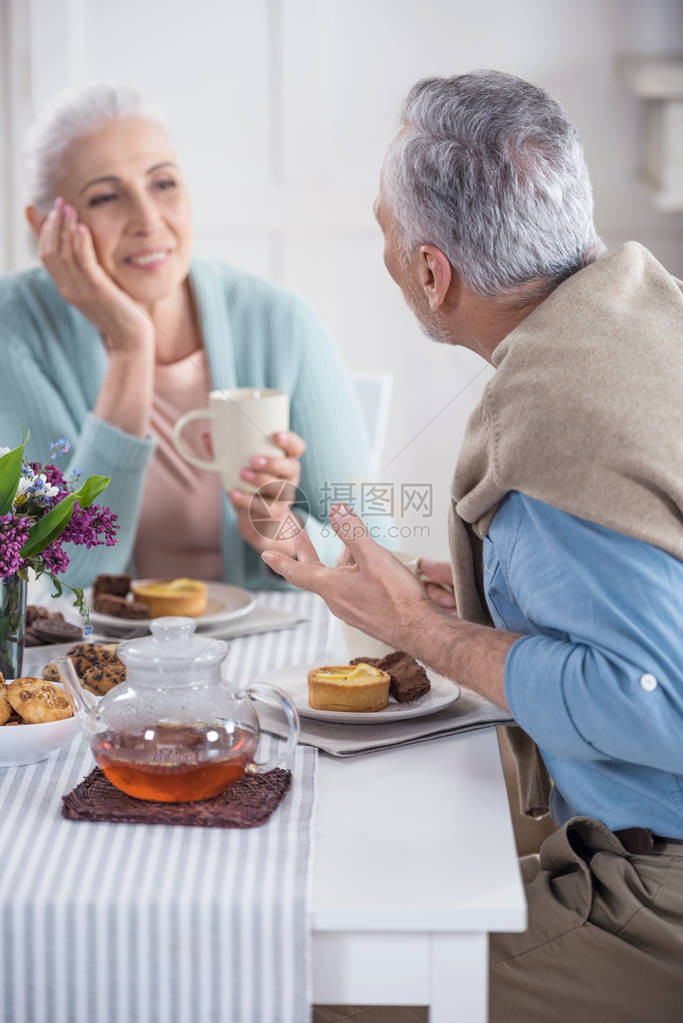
{"x":10,"y":474}
{"x":49,"y":527}
{"x":92,"y":488}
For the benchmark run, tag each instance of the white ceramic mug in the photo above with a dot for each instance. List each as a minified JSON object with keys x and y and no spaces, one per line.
{"x":359,"y":644}
{"x":243,"y":422}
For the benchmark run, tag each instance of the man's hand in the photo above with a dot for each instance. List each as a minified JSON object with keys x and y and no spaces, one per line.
{"x":373,"y":591}
{"x":368,"y":588}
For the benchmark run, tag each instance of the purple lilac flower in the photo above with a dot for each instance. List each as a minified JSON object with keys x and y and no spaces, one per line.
{"x":13,"y":535}
{"x":55,"y":558}
{"x":53,"y":475}
{"x":91,"y":526}
{"x":53,"y":478}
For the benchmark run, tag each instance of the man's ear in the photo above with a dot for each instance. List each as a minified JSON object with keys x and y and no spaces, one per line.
{"x":35,"y":218}
{"x":435,"y":275}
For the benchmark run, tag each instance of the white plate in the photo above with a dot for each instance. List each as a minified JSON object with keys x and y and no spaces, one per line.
{"x":225,"y":604}
{"x":294,"y":681}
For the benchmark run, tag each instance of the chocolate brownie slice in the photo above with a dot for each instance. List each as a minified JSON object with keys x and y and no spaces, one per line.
{"x":408,"y":678}
{"x":30,"y":638}
{"x":119,"y":607}
{"x":34,"y":611}
{"x":49,"y":630}
{"x":119,"y":585}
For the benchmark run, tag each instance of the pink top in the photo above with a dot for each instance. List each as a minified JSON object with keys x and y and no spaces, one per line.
{"x":180,"y":524}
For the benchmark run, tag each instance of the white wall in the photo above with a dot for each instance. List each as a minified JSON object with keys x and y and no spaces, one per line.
{"x":282,"y":110}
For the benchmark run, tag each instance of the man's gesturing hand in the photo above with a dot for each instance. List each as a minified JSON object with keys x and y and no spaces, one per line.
{"x":368,"y":588}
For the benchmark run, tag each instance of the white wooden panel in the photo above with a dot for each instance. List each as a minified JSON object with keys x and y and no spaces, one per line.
{"x":431,"y":788}
{"x":206,"y":66}
{"x":308,"y":133}
{"x":459,"y":978}
{"x":57,"y":33}
{"x":371,"y":969}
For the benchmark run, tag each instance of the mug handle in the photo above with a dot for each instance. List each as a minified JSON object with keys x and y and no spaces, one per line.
{"x":259,"y":691}
{"x":180,"y":445}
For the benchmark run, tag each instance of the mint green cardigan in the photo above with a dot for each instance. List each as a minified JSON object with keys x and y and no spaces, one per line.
{"x":255,"y":335}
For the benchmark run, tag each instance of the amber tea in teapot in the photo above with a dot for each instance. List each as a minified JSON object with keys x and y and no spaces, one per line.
{"x":175,"y":730}
{"x":187,"y":762}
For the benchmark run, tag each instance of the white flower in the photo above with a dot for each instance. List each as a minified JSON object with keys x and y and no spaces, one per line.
{"x":34,"y":488}
{"x":23,"y":490}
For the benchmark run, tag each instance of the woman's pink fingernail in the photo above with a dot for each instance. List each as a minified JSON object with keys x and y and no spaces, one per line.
{"x":59,"y":202}
{"x":258,"y":461}
{"x":81,"y":228}
{"x":282,"y":436}
{"x":247,"y":474}
{"x":68,"y":212}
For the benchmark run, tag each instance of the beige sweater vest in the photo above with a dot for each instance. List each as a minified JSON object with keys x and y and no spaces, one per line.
{"x":585,"y":412}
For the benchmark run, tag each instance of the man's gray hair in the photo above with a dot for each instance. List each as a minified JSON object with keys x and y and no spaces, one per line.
{"x":489,"y":169}
{"x":69,"y":115}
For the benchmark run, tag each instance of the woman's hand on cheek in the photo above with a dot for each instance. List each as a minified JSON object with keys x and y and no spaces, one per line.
{"x":66,"y":249}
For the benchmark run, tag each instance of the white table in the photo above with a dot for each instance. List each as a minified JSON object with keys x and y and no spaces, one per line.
{"x":414,"y":864}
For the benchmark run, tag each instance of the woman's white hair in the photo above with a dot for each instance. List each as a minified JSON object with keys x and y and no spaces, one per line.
{"x":69,"y":115}
{"x":489,"y":169}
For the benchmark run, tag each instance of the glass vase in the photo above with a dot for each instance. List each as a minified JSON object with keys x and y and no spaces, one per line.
{"x":12,"y":624}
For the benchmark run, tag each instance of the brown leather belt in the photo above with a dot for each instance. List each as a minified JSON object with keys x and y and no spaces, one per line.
{"x":641,"y":840}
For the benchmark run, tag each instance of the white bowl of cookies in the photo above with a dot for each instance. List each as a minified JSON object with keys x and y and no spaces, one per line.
{"x":36,"y":718}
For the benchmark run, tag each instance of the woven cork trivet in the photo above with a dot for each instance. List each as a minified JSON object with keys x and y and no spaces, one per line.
{"x":246,"y":804}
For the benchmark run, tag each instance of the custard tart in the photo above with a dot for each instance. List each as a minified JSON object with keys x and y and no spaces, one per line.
{"x":184,"y":597}
{"x":348,"y":687}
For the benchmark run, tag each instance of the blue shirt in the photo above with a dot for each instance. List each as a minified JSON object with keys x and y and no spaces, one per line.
{"x":597,"y":679}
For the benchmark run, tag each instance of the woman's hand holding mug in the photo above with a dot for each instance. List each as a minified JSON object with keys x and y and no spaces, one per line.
{"x":257,"y":458}
{"x":264,"y":515}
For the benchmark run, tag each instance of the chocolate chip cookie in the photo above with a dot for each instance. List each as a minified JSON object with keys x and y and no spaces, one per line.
{"x":100,"y":678}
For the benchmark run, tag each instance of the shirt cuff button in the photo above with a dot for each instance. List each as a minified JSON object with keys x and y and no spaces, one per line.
{"x":648,"y":682}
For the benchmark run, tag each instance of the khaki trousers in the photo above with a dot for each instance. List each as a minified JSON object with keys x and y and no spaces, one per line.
{"x":605,"y":935}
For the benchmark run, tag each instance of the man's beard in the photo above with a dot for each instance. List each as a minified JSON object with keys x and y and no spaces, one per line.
{"x":429,"y":322}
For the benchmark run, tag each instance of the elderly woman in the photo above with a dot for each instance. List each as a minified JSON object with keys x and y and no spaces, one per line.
{"x":122,"y":332}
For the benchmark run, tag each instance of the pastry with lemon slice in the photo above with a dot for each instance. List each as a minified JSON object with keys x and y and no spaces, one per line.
{"x":186,"y":597}
{"x":352,"y":687}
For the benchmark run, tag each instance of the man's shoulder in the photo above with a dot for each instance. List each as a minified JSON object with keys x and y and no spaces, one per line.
{"x":541,"y":525}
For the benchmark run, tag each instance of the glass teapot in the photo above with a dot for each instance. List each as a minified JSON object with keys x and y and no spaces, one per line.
{"x":175,"y":730}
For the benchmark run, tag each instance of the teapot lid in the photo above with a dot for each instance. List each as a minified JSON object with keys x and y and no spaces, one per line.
{"x":172,"y":647}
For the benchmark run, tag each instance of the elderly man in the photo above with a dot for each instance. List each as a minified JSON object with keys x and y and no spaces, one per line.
{"x":566,"y":533}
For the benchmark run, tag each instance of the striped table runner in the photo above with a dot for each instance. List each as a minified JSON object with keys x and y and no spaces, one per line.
{"x":104,"y":923}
